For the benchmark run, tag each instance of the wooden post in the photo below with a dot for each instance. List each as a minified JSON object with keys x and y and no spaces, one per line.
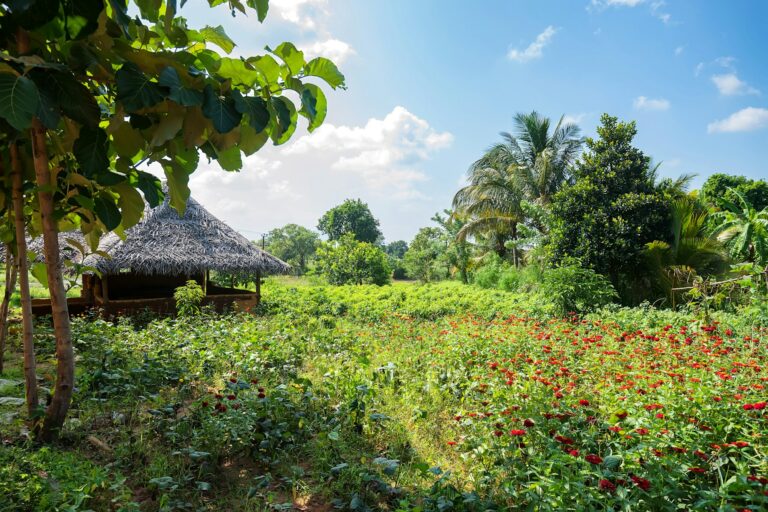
{"x":258,"y":287}
{"x":104,"y":290}
{"x":205,"y":282}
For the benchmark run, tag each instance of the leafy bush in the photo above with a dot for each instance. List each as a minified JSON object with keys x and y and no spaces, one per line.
{"x":573,"y":288}
{"x":189,"y":298}
{"x":348,"y":261}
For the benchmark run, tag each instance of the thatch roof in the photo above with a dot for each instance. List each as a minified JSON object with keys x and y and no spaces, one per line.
{"x":163,"y":243}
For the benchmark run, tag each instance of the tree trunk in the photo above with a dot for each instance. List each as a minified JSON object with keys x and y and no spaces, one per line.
{"x":65,"y":362}
{"x":10,"y":286}
{"x":28,"y":341}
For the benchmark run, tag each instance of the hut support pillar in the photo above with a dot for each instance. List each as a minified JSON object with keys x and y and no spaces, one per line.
{"x":206,"y":277}
{"x":104,"y":290}
{"x":258,"y":287}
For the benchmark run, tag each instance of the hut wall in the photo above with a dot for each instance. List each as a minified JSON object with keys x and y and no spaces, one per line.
{"x":128,"y":285}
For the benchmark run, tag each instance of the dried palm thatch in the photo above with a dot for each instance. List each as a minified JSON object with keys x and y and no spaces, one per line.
{"x":164,"y":243}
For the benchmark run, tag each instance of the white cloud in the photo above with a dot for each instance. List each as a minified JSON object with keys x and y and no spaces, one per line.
{"x":303,"y":13}
{"x":617,"y":3}
{"x":745,"y":120}
{"x":730,"y":84}
{"x":657,"y":12}
{"x":385,"y":152}
{"x":334,"y":49}
{"x":534,"y":50}
{"x":382,"y":162}
{"x":644,"y":103}
{"x":725,"y":62}
{"x":679,"y":50}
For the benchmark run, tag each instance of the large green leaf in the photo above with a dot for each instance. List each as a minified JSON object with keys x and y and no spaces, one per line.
{"x":314,"y":105}
{"x":285,"y":124}
{"x":135,"y":90}
{"x":261,"y":6}
{"x":221,"y":111}
{"x":250,"y":140}
{"x":131,"y":204}
{"x":169,"y":77}
{"x":229,"y":159}
{"x":90,"y":150}
{"x":151,"y":187}
{"x":19,"y":100}
{"x":237,"y":71}
{"x":72,"y":97}
{"x":169,"y":126}
{"x":267,"y":67}
{"x":325,"y":69}
{"x":48,"y":110}
{"x":217,"y":36}
{"x":178,"y":185}
{"x":255,"y":108}
{"x":292,"y":57}
{"x":107,"y":212}
{"x":127,"y":141}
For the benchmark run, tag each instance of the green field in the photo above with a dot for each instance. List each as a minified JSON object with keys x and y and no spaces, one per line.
{"x":407,"y":397}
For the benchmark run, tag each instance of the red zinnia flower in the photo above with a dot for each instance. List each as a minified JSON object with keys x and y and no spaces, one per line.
{"x":583,"y":403}
{"x":642,"y":483}
{"x":607,"y":485}
{"x":517,"y":432}
{"x":594,"y":459}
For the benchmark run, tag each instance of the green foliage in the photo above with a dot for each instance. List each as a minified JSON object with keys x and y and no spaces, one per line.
{"x":189,"y":298}
{"x":351,"y":217}
{"x":612,"y":210}
{"x":422,"y":261}
{"x":743,"y":229}
{"x":717,"y":188}
{"x":115,"y":90}
{"x":52,"y":479}
{"x":293,"y":244}
{"x":576,"y":289}
{"x":349,"y":261}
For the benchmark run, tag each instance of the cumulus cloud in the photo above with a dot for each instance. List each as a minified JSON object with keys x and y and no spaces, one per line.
{"x":535,"y":49}
{"x":745,"y":120}
{"x":644,"y":103}
{"x":573,"y":118}
{"x":384,"y":152}
{"x":381,"y":161}
{"x":334,"y":49}
{"x":619,"y":3}
{"x":656,"y":7}
{"x":303,"y":13}
{"x":730,"y":84}
{"x":679,"y":51}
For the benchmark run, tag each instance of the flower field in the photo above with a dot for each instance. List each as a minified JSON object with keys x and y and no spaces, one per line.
{"x":367,"y":398}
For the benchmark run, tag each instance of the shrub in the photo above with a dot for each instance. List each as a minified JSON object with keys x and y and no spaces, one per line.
{"x":348,"y":261}
{"x":189,"y":298}
{"x":572,"y":287}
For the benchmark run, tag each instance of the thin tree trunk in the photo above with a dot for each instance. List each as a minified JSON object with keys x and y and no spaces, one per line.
{"x":28,"y":341}
{"x":10,"y":286}
{"x":65,"y":361}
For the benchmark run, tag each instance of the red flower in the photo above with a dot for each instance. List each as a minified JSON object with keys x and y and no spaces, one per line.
{"x":498,"y":433}
{"x":262,"y":395}
{"x":233,"y":380}
{"x":517,"y":432}
{"x":697,"y":470}
{"x":451,"y":443}
{"x":607,"y":485}
{"x":594,"y":459}
{"x":717,"y":399}
{"x":642,"y":431}
{"x":642,"y":483}
{"x":529,"y":423}
{"x":205,"y":403}
{"x":583,"y":403}
{"x":660,"y":415}
{"x":574,"y":453}
{"x":231,"y":397}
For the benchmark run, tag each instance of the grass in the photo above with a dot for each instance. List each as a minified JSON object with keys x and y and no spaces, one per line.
{"x":405,"y":398}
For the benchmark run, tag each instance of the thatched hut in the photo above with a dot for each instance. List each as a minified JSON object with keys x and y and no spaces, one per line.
{"x":161,"y":253}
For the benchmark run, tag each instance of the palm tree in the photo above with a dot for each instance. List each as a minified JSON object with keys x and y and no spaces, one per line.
{"x":692,"y":251}
{"x":530,"y":165}
{"x":743,"y":229}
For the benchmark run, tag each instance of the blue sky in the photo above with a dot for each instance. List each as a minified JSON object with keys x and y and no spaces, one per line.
{"x":431,"y":83}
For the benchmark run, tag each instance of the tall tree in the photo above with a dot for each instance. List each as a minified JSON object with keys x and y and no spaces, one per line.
{"x":531,"y":164}
{"x":422,"y":260}
{"x":613,"y":209}
{"x":293,"y":244}
{"x":743,"y":229}
{"x":97,"y":98}
{"x":350,"y":217}
{"x":718,"y":187}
